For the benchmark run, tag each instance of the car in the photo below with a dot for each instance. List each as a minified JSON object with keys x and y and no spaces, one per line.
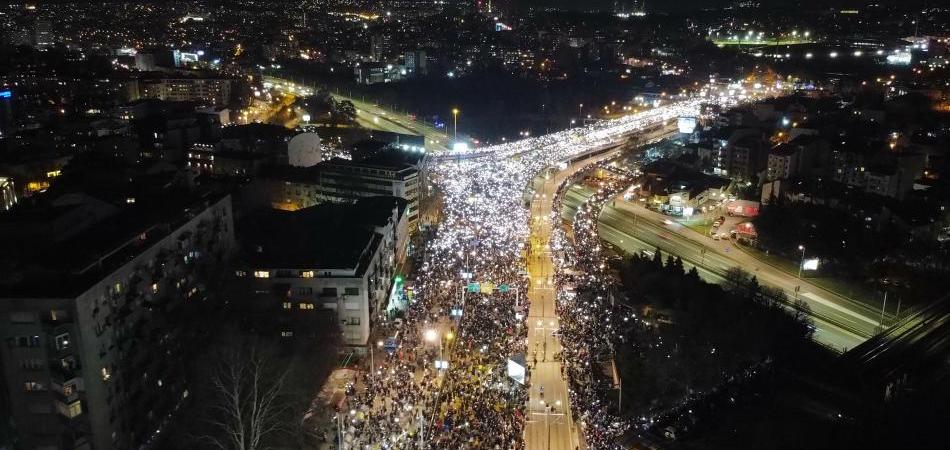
{"x":716,"y":236}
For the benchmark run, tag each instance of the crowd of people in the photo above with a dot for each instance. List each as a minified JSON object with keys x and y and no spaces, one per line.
{"x":445,"y":385}
{"x":579,"y":139}
{"x":592,"y":323}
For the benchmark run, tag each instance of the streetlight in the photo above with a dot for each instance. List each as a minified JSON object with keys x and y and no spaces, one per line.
{"x":372,"y":363}
{"x":802,"y":264}
{"x":431,"y":335}
{"x":580,"y":109}
{"x":455,"y":119}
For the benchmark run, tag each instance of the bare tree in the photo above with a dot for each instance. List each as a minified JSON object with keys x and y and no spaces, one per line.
{"x":247,"y":404}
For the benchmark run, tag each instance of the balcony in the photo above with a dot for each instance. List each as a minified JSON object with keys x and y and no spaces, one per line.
{"x":63,"y":397}
{"x":61,"y":373}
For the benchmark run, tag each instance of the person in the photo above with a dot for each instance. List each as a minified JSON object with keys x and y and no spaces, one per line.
{"x":541,"y":390}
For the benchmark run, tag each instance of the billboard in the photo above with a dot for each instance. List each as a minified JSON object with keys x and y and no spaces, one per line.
{"x":686,"y":125}
{"x":516,"y":368}
{"x":810,"y":264}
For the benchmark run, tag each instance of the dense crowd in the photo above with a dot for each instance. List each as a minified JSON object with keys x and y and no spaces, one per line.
{"x":409,"y":402}
{"x":591,"y":322}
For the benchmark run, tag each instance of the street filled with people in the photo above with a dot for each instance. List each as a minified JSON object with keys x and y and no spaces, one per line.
{"x":440,"y":381}
{"x":592,"y":322}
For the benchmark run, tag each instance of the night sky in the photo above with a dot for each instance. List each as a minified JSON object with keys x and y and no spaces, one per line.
{"x":688,"y":5}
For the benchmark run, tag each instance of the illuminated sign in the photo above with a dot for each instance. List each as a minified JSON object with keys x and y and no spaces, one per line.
{"x":189,"y":57}
{"x":516,"y":369}
{"x":460,"y":147}
{"x":899,"y":59}
{"x":686,"y":125}
{"x":810,"y":264}
{"x":6,"y":94}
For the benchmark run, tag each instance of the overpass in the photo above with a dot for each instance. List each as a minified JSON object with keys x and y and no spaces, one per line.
{"x":914,"y":350}
{"x":652,"y":124}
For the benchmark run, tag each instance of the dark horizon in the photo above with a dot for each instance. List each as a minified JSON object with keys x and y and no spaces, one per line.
{"x":696,"y":5}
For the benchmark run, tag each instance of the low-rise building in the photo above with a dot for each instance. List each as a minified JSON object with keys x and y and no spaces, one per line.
{"x":204,"y":90}
{"x":331,"y":256}
{"x":346,"y":181}
{"x":784,"y":162}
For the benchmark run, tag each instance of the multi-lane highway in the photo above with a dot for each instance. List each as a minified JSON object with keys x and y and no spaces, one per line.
{"x":549,"y":423}
{"x":841,"y":323}
{"x":375,"y":117}
{"x":480,"y":242}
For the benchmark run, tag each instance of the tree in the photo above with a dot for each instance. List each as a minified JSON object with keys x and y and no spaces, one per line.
{"x":735,"y":279}
{"x":658,"y":258}
{"x":247,"y":404}
{"x":345,"y":111}
{"x":678,"y":265}
{"x":694,"y":274}
{"x":670,"y":263}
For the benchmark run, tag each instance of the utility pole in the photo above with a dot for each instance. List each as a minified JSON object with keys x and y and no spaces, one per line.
{"x":339,"y":429}
{"x":882,"y":309}
{"x":422,"y":422}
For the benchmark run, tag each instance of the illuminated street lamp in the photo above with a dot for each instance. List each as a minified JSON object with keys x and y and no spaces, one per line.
{"x":455,"y":119}
{"x":431,"y":335}
{"x":802,"y":264}
{"x":372,"y":363}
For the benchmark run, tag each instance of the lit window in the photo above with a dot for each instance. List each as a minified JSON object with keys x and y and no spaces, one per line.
{"x":240,"y":273}
{"x":288,"y":305}
{"x":307,"y":274}
{"x":286,"y":334}
{"x":71,"y":410}
{"x":62,"y":341}
{"x":105,"y":374}
{"x":306,"y":306}
{"x":261,"y":274}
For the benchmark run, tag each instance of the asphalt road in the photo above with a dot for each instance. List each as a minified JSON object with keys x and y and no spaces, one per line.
{"x":374,"y":117}
{"x":840,"y":323}
{"x":549,"y":422}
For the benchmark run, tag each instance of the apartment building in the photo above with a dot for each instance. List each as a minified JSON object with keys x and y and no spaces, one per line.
{"x":208,"y":91}
{"x":345,"y":181}
{"x":338,"y":257}
{"x":91,"y":320}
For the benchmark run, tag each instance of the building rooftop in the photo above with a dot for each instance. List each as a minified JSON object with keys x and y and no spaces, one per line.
{"x":322,"y":237}
{"x":783,"y":150}
{"x":42,"y":264}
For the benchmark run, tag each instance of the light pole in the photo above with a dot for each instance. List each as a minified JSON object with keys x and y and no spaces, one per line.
{"x":802,"y":264}
{"x":372,"y":364}
{"x":455,"y":120}
{"x":580,"y":110}
{"x":884,"y":305}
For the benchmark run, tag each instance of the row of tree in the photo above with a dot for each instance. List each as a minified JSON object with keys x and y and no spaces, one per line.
{"x":323,"y":108}
{"x":699,"y":333}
